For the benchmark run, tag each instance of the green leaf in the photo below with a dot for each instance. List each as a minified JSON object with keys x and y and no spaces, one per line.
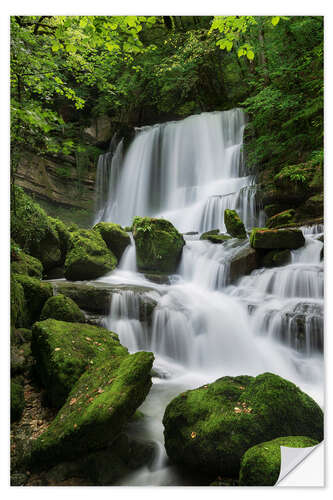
{"x":275,"y":20}
{"x":250,"y":55}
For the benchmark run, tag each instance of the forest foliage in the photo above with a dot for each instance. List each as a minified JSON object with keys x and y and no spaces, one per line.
{"x":65,"y":70}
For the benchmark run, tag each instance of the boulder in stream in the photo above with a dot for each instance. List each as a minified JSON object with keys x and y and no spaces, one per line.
{"x":158,"y":245}
{"x":114,"y":236}
{"x":88,"y":257}
{"x":290,"y":238}
{"x":260,"y":465}
{"x":234,"y":224}
{"x":208,"y":429}
{"x":62,"y":308}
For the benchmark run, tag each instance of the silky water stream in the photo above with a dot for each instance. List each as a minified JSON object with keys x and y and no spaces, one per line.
{"x":202,"y":327}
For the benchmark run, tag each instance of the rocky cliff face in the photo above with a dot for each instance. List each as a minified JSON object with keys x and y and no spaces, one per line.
{"x":58,"y":182}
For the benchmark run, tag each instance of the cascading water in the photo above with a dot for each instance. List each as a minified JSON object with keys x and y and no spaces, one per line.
{"x":202,"y":327}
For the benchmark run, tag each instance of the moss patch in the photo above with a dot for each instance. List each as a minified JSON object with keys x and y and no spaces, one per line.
{"x":233,"y":224}
{"x":209,"y":429}
{"x":275,"y":258}
{"x":36,"y":294}
{"x":285,"y":217}
{"x":62,"y":308}
{"x":17,"y":402}
{"x":158,"y":244}
{"x":18,"y":307}
{"x":276,"y":238}
{"x":63,"y":351}
{"x":63,"y":236}
{"x":261,"y":464}
{"x":114,"y":236}
{"x":100,"y":403}
{"x":216,"y":238}
{"x":88,"y":256}
{"x":23,"y":263}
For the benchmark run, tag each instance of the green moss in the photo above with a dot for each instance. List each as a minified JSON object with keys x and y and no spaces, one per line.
{"x":114,"y":236}
{"x":233,"y":224}
{"x":17,"y":402}
{"x":36,"y":294}
{"x":18,"y":305}
{"x":276,"y":258}
{"x":312,"y":207}
{"x":216,"y":238}
{"x":88,"y":297}
{"x":285,"y":217}
{"x":158,"y":244}
{"x":260,"y":465}
{"x":297,"y":176}
{"x":99,"y":405}
{"x":208,"y":233}
{"x":209,"y":429}
{"x":63,"y":236}
{"x":62,"y":308}
{"x":31,"y":229}
{"x":63,"y":351}
{"x":276,"y":238}
{"x":88,"y":256}
{"x":23,"y":263}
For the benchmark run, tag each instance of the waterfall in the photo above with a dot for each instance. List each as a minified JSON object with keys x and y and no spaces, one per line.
{"x":187,"y":171}
{"x":201,"y":327}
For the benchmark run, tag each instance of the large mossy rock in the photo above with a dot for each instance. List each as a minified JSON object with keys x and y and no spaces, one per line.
{"x":209,"y":429}
{"x":63,"y":236}
{"x":17,"y":402}
{"x":244,"y":262}
{"x":234,"y":224}
{"x":280,"y":219}
{"x":114,"y":236}
{"x":158,"y":244}
{"x":36,"y":294}
{"x":63,"y":351}
{"x":88,"y":257}
{"x":263,"y":238}
{"x":260,"y":465}
{"x":33,"y":231}
{"x":18,"y":305}
{"x":97,"y":408}
{"x":62,"y":308}
{"x":22,"y":263}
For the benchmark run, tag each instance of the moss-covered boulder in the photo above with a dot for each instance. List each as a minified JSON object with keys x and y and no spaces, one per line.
{"x":20,"y":359}
{"x":244,"y":262}
{"x":17,"y":402}
{"x":63,"y":351}
{"x":290,"y":238}
{"x":95,"y":299}
{"x":62,"y":308}
{"x":216,"y":238}
{"x":234,"y":224}
{"x":100,"y":403}
{"x":313,"y":206}
{"x":36,"y":294}
{"x":260,"y":465}
{"x":285,"y":217}
{"x":158,"y":244}
{"x":275,"y":258}
{"x":32,"y":230}
{"x":63,"y":236}
{"x":203,"y":236}
{"x":18,"y":305}
{"x":26,"y":264}
{"x":114,"y":236}
{"x":88,"y":256}
{"x":209,"y":429}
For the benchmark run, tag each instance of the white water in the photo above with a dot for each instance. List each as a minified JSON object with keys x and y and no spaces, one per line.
{"x":202,"y":328}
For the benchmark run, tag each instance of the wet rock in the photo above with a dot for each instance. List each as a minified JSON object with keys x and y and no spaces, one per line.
{"x":263,"y":238}
{"x":285,"y":217}
{"x":36,"y":294}
{"x":63,"y":351}
{"x":97,"y":408}
{"x":216,"y":238}
{"x":234,"y":225}
{"x":62,"y":308}
{"x":114,"y":236}
{"x":159,"y":278}
{"x":209,"y":429}
{"x":158,"y":245}
{"x":276,"y":258}
{"x":261,"y":464}
{"x":88,"y":257}
{"x":244,"y":262}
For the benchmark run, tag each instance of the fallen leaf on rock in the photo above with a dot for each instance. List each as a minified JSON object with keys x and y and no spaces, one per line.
{"x":72,"y":401}
{"x":57,"y":349}
{"x":89,"y":339}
